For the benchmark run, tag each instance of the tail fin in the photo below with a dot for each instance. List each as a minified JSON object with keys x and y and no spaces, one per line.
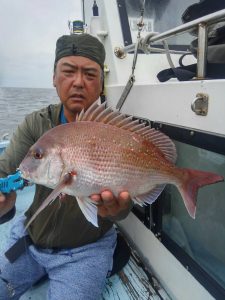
{"x":191,"y":182}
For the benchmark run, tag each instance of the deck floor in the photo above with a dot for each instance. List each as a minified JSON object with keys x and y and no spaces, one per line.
{"x":129,"y":284}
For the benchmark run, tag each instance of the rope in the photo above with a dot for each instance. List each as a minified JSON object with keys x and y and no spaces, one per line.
{"x":131,"y":79}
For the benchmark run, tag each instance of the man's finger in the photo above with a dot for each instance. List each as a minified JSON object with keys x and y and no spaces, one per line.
{"x":102,"y":211}
{"x":109,"y":199}
{"x":96,"y":199}
{"x":124,"y":199}
{"x":2,"y":198}
{"x":124,"y":196}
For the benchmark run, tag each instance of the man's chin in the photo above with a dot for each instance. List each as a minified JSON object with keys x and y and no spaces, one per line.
{"x":75,"y":109}
{"x":76,"y":105}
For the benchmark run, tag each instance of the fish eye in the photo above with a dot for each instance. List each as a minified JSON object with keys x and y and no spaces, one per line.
{"x":37,"y":154}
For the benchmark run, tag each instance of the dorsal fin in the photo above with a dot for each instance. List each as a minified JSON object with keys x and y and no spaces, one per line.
{"x":117,"y":119}
{"x":130,"y":125}
{"x":102,"y":115}
{"x":124,"y":121}
{"x":106,"y":115}
{"x":138,"y":127}
{"x":163,"y":142}
{"x":90,"y":111}
{"x":143,"y":130}
{"x":79,"y":117}
{"x":110,"y":117}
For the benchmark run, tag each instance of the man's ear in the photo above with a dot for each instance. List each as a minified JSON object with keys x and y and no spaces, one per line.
{"x":54,"y":81}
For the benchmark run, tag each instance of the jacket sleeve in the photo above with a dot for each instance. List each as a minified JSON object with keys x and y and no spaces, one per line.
{"x":21,"y":141}
{"x":8,"y":216}
{"x":23,"y":138}
{"x":10,"y":159}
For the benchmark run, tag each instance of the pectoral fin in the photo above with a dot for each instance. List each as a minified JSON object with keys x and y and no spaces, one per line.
{"x":54,"y":194}
{"x":89,"y":210}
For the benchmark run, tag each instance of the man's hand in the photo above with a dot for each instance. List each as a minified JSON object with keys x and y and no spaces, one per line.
{"x":7,"y":202}
{"x":112,"y":207}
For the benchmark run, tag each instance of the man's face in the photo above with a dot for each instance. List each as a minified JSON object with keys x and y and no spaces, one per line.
{"x":78,"y":83}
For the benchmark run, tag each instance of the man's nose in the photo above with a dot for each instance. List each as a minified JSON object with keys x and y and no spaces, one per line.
{"x":78,"y":79}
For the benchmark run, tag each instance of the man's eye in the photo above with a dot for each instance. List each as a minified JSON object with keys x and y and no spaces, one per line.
{"x":90,"y":75}
{"x":68,"y":71}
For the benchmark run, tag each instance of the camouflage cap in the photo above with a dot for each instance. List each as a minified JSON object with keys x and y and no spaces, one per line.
{"x":80,"y":45}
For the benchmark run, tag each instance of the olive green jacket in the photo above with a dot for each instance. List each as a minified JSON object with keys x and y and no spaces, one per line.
{"x":61,"y":224}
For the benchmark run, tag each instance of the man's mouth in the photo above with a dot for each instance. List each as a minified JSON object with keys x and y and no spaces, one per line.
{"x":77,"y":97}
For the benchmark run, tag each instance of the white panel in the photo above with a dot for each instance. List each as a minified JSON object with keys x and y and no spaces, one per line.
{"x":171,"y":103}
{"x":177,"y":281}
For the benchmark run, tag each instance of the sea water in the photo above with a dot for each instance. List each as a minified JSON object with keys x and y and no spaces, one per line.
{"x":16,"y":103}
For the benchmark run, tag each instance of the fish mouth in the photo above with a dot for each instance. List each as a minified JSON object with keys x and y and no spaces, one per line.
{"x":25,"y":174}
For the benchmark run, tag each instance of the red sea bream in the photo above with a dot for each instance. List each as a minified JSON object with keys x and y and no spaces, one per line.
{"x":105,"y":149}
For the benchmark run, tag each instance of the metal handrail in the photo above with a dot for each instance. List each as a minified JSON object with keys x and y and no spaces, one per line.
{"x":200,"y":23}
{"x":208,"y":19}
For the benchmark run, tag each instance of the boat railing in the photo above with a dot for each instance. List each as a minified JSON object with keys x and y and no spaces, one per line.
{"x":200,"y":25}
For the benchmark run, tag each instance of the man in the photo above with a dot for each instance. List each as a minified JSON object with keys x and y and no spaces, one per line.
{"x":75,"y":254}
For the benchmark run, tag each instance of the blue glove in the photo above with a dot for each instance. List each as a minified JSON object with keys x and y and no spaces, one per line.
{"x":12,"y":183}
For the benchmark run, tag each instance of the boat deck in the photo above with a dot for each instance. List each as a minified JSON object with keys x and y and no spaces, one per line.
{"x":130,"y":283}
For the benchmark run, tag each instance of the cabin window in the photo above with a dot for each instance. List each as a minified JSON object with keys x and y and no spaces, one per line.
{"x":157,"y":18}
{"x":198,"y":243}
{"x":203,"y":239}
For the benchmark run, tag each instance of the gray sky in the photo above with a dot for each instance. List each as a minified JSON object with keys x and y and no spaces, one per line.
{"x":28,"y":32}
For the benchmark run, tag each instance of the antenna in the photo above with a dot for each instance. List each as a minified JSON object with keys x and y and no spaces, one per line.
{"x":83,"y":12}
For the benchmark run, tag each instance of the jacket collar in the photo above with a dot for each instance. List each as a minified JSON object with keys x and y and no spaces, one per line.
{"x":52,"y":113}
